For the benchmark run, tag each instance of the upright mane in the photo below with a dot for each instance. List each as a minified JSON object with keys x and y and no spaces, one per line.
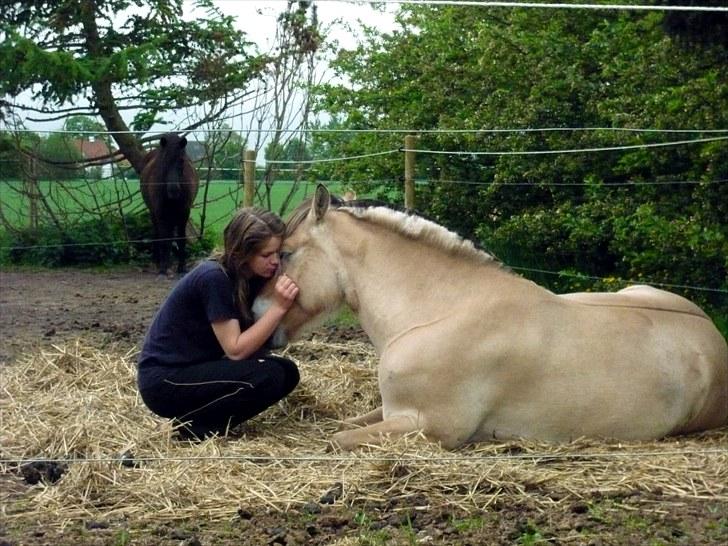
{"x":414,"y":226}
{"x":405,"y":223}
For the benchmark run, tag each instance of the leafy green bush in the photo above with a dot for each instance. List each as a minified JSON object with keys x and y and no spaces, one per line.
{"x":600,"y":245}
{"x":100,"y":241}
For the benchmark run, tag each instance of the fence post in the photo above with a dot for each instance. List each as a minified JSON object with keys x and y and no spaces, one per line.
{"x":409,"y":172}
{"x":31,"y":190}
{"x":249,"y":178}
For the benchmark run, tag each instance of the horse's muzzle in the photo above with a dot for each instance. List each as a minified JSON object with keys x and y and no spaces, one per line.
{"x":279,"y":337}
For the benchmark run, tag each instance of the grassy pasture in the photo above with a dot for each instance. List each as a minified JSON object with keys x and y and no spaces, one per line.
{"x":73,"y":200}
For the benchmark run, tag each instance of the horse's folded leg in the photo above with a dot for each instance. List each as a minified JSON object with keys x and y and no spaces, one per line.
{"x":374,"y":416}
{"x":392,"y":428}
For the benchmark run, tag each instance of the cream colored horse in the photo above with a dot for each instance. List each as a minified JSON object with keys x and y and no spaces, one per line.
{"x":472,"y":352}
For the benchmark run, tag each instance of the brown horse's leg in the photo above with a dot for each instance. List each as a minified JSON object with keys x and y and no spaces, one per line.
{"x":181,"y":246}
{"x":164,"y":242}
{"x":157,"y":249}
{"x":155,"y":244}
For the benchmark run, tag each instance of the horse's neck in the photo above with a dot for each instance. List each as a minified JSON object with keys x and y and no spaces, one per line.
{"x":399,"y":283}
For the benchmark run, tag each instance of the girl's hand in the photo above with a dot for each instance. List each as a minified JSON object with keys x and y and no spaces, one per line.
{"x":285,"y":291}
{"x":240,"y":345}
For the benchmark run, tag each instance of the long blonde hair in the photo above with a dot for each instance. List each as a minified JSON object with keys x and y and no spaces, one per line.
{"x":244,"y":236}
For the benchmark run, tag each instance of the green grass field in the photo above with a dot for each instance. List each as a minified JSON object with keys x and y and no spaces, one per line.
{"x":70,"y":201}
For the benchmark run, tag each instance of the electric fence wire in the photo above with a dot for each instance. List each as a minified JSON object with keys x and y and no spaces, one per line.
{"x":519,"y":4}
{"x":587,"y":456}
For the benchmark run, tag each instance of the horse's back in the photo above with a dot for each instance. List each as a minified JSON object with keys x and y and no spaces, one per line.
{"x":638,"y":297}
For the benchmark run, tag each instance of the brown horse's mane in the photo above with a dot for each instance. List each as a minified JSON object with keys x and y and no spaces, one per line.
{"x":404,"y":222}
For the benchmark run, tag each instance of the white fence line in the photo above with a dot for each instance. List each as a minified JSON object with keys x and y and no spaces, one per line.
{"x":382,"y":131}
{"x":535,"y":457}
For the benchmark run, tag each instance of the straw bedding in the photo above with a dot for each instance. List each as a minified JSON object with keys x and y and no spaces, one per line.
{"x":78,"y":406}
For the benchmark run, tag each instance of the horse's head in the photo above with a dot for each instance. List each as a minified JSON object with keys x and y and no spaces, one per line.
{"x":171,"y":163}
{"x":310,"y":257}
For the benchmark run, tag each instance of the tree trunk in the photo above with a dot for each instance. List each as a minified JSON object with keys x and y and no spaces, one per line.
{"x":128,"y":143}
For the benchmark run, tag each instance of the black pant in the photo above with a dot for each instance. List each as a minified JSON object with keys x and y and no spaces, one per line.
{"x":215,"y":396}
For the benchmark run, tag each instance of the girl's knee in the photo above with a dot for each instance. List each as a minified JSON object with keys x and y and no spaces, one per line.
{"x":289,"y":372}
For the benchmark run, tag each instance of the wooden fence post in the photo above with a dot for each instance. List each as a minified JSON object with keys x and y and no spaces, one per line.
{"x":249,"y":178}
{"x":409,"y":172}
{"x":31,"y":190}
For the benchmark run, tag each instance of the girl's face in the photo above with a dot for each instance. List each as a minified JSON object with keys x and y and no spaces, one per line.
{"x":265,"y":263}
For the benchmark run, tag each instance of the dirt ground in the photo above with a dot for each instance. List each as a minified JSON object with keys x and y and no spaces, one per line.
{"x":39,"y":308}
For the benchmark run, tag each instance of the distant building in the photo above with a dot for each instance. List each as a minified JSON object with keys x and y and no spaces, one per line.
{"x":95,"y":148}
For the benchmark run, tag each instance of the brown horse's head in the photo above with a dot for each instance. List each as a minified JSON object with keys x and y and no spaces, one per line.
{"x":170,"y":164}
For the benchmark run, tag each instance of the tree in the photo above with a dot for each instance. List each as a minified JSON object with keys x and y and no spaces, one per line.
{"x":119,"y":56}
{"x":62,"y":160}
{"x":83,"y":127}
{"x":227,"y":154}
{"x":12,"y":165}
{"x":294,"y":150}
{"x":299,"y":44}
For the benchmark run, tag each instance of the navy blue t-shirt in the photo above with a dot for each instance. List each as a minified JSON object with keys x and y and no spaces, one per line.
{"x":180,"y":333}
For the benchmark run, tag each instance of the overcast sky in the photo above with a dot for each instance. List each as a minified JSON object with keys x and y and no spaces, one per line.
{"x":257,"y":18}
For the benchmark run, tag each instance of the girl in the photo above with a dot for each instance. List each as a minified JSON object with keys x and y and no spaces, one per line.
{"x":202,"y":363}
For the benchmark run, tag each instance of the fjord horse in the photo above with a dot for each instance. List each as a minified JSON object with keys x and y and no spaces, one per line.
{"x":471,"y":352}
{"x":169,"y":185}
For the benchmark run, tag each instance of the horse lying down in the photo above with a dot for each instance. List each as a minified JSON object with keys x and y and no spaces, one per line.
{"x":471,"y":352}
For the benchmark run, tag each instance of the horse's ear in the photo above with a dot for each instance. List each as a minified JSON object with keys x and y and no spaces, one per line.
{"x":183,"y":142}
{"x":163,"y":141}
{"x":321,"y":201}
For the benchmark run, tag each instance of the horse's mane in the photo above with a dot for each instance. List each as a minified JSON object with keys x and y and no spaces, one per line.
{"x":415,"y":226}
{"x":407,"y":223}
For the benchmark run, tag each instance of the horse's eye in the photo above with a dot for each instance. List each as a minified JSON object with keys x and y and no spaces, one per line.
{"x":285,"y":255}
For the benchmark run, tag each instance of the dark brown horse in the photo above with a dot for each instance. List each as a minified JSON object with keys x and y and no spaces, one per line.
{"x":169,"y":185}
